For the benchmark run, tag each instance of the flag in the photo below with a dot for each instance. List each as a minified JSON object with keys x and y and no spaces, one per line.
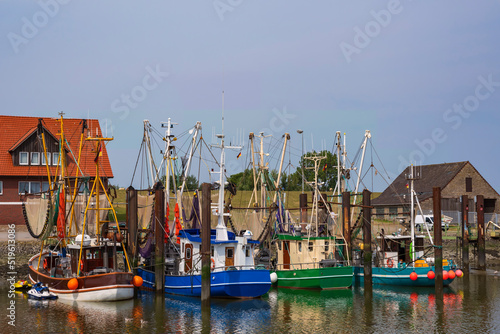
{"x":239,"y":155}
{"x":98,"y":152}
{"x":324,"y":167}
{"x":407,"y":186}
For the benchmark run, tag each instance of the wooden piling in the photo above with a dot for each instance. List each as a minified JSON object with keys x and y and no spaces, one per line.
{"x":206,"y":217}
{"x":367,"y":238}
{"x":465,"y":234}
{"x":159,"y":230}
{"x":132,"y":223}
{"x":346,"y":219}
{"x":481,"y":246}
{"x":438,"y":242}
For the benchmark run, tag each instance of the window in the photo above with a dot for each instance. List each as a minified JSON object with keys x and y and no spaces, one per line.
{"x":300,"y":247}
{"x":35,"y":158}
{"x":23,"y":158}
{"x":212,"y":251}
{"x":247,"y":252}
{"x":188,"y":253}
{"x":310,"y":246}
{"x":327,"y":246}
{"x":35,"y":187}
{"x":468,"y":184}
{"x":229,"y":252}
{"x":393,"y":210}
{"x":45,"y":186}
{"x":55,"y":158}
{"x":1,"y":187}
{"x":43,"y":158}
{"x":24,"y":187}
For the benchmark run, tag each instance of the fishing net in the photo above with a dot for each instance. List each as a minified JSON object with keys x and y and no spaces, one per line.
{"x":145,"y":210}
{"x":78,"y":214}
{"x":37,"y":211}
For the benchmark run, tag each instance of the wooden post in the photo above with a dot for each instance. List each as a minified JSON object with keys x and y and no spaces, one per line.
{"x":206,"y":217}
{"x":346,"y":219}
{"x":481,"y":247}
{"x":132,"y":223}
{"x":367,"y":238}
{"x":438,"y":242}
{"x":465,"y":234}
{"x":303,"y":211}
{"x":159,"y":227}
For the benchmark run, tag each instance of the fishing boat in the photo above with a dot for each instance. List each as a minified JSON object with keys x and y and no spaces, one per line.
{"x":82,"y":257}
{"x":233,"y":271}
{"x":313,"y":258}
{"x":400,"y":260}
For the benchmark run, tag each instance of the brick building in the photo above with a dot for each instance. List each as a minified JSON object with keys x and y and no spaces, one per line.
{"x":454,"y":179}
{"x":23,"y":164}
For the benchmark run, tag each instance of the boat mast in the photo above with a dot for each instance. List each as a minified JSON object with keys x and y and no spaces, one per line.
{"x":411,"y":177}
{"x":221,"y":229}
{"x":363,"y":146}
{"x":316,"y":159}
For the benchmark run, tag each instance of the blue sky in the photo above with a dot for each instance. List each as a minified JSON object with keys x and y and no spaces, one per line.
{"x":396,"y":68}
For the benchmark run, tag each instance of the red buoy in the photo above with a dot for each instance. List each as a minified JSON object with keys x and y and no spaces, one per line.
{"x":137,"y":281}
{"x":430,"y":274}
{"x":459,"y":273}
{"x":451,"y":274}
{"x":73,"y":284}
{"x":445,"y":275}
{"x":413,"y":276}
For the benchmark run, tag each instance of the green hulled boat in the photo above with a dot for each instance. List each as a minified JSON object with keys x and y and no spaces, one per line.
{"x":313,"y":259}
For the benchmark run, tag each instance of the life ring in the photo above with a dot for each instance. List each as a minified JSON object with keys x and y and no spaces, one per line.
{"x":45,"y":264}
{"x":213,"y":263}
{"x":390,"y":263}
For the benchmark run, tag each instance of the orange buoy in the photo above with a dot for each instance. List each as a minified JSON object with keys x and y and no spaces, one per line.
{"x":73,"y":284}
{"x":430,"y":274}
{"x":137,"y":281}
{"x":413,"y":276}
{"x":451,"y":274}
{"x":459,"y":273}
{"x":445,"y":275}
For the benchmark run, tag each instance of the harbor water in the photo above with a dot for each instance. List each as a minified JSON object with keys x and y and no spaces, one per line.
{"x":469,"y":305}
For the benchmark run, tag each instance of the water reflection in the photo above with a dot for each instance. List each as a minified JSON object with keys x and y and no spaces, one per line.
{"x":468,"y":305}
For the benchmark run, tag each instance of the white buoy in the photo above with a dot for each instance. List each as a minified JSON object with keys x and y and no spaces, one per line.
{"x":274,"y":278}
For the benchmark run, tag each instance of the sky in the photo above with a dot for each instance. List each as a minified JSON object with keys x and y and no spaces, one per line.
{"x":423,"y":77}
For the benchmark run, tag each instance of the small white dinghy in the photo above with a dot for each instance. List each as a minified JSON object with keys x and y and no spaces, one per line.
{"x":41,"y":292}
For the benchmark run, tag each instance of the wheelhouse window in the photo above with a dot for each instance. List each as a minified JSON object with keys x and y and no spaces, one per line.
{"x":1,"y":187}
{"x":23,"y":158}
{"x":188,"y":253}
{"x":212,"y":251}
{"x":300,"y":246}
{"x":229,"y":252}
{"x":247,"y":252}
{"x":48,"y":158}
{"x":327,"y":246}
{"x":310,"y":246}
{"x":35,"y":158}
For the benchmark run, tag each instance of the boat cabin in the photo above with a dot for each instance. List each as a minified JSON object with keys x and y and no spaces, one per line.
{"x":393,"y":250}
{"x":236,"y":253}
{"x":301,"y":252}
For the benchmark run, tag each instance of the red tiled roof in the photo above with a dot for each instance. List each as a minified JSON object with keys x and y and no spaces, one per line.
{"x":15,"y":129}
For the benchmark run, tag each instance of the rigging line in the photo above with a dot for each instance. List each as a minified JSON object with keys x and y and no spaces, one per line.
{"x":135,"y":168}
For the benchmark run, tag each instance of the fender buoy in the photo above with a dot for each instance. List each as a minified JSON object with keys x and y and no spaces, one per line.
{"x":81,"y":265}
{"x":390,"y":263}
{"x":45,"y":264}
{"x":213,"y":263}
